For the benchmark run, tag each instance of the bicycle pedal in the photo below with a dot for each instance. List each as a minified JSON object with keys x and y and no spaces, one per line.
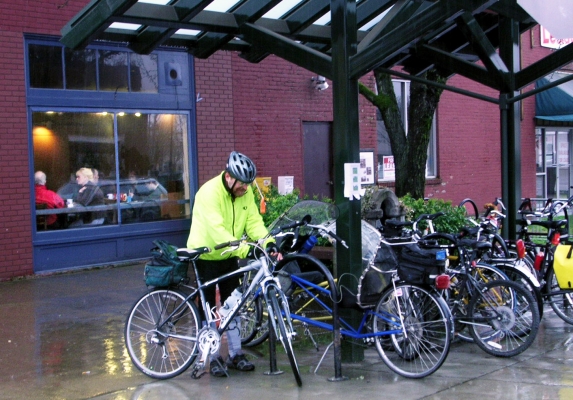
{"x":198,"y":371}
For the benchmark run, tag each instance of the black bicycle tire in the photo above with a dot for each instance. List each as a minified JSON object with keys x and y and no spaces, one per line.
{"x":552,"y":283}
{"x":499,"y":247}
{"x":431,"y":319}
{"x":139,"y":333}
{"x":276,"y":309}
{"x":521,"y":333}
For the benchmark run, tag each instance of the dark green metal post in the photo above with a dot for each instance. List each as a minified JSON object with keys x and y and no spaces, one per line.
{"x":509,"y":51}
{"x":346,"y":149}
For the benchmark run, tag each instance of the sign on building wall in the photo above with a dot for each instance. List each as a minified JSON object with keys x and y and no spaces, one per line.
{"x":547,"y":40}
{"x":367,"y":167}
{"x":388,"y":168}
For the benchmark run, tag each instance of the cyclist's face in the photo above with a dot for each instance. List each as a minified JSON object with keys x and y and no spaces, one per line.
{"x":237,"y":187}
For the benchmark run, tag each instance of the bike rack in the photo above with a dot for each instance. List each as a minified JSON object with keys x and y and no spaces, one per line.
{"x":273,"y":355}
{"x":336,"y":336}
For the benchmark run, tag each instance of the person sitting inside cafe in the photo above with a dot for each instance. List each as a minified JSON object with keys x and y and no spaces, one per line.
{"x":89,"y":194}
{"x":47,"y":197}
{"x":153,"y":191}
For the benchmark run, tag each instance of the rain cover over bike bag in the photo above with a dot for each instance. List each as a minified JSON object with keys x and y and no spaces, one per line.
{"x":563,"y":265}
{"x":164,"y":268}
{"x":420,"y":265}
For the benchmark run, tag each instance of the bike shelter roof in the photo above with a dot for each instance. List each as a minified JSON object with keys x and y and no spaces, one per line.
{"x":343,"y":40}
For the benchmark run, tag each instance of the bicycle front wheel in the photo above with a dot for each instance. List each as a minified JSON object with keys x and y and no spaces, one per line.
{"x":562,"y":304}
{"x":161,"y":333}
{"x":423,"y":322}
{"x":251,"y":315}
{"x":504,"y":318}
{"x":279,"y":316}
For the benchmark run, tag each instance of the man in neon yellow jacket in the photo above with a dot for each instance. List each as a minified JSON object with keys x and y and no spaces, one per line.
{"x":224,"y":210}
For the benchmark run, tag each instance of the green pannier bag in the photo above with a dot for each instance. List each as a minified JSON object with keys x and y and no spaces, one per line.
{"x":165,"y":268}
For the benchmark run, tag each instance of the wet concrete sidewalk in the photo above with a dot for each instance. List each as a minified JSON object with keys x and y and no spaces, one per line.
{"x":61,"y":337}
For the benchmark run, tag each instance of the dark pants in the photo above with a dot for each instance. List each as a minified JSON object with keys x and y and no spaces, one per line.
{"x":209,"y":270}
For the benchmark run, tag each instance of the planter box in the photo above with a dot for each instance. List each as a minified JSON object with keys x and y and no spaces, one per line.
{"x":323,"y":253}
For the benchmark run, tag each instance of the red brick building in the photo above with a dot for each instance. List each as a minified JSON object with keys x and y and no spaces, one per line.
{"x":259,"y":109}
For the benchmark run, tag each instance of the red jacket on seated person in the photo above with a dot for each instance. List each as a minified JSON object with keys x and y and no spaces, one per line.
{"x":46,"y":196}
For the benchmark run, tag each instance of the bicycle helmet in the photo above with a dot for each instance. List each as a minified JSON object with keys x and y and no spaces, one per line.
{"x":241,"y":167}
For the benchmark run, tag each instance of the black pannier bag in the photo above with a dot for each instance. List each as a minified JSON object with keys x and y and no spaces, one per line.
{"x":420,"y":265}
{"x":164,"y":268}
{"x":375,"y":277}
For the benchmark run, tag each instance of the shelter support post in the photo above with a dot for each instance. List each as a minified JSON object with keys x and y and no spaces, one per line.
{"x":510,"y":127}
{"x":346,"y":149}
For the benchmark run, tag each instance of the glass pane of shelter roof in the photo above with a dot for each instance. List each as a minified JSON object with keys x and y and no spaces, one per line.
{"x":279,"y":11}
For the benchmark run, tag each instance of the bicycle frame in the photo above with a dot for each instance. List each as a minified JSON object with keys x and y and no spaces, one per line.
{"x":261,"y":279}
{"x":346,"y":329}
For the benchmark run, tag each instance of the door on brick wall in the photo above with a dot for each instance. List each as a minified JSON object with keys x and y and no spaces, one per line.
{"x":317,"y":150}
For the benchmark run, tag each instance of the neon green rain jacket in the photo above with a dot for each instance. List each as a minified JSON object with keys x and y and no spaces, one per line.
{"x":218,"y":218}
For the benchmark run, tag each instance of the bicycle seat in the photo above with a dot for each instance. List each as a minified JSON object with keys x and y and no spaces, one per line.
{"x":559,"y":224}
{"x":191,"y":254}
{"x":475,"y":244}
{"x":396,"y":224}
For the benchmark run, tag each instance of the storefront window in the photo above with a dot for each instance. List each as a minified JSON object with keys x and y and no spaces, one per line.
{"x":81,"y":69}
{"x":553,"y":148}
{"x":90,"y":69}
{"x":42,"y":75}
{"x":113,"y":70}
{"x":143,"y":73}
{"x":139,"y":163}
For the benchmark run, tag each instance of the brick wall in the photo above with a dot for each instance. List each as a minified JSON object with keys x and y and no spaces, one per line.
{"x":255,"y":108}
{"x":215,"y":113}
{"x":272,"y":99}
{"x":19,"y":17}
{"x":469,"y":139}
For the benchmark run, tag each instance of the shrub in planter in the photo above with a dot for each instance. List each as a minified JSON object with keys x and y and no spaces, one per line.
{"x":276,"y":203}
{"x":453,"y":220}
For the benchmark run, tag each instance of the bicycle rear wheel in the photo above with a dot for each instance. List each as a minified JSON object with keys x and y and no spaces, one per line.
{"x":562,"y":304}
{"x":279,"y":316}
{"x":504,"y":318}
{"x":424,"y":322}
{"x":515,"y":275}
{"x":164,"y":351}
{"x":482,"y":273}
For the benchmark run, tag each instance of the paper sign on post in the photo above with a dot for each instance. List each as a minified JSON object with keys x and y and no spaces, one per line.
{"x":352,"y":186}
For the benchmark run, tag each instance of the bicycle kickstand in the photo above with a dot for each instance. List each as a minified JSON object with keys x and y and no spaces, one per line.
{"x":308,"y":333}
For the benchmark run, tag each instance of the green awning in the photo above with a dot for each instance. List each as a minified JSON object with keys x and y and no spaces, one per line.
{"x":555,"y":104}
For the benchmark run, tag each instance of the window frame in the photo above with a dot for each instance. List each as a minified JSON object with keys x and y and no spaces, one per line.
{"x":178,"y":100}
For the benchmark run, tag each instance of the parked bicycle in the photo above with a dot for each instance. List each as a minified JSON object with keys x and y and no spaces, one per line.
{"x":553,"y":223}
{"x":409,"y":323}
{"x":502,"y":315}
{"x":165,"y":333}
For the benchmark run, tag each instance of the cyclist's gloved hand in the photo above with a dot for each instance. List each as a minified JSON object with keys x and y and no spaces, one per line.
{"x":272,"y":248}
{"x":273,"y":251}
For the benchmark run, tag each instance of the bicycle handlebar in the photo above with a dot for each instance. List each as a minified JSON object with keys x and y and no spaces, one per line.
{"x":304,"y":221}
{"x":227,"y":244}
{"x":323,"y":230}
